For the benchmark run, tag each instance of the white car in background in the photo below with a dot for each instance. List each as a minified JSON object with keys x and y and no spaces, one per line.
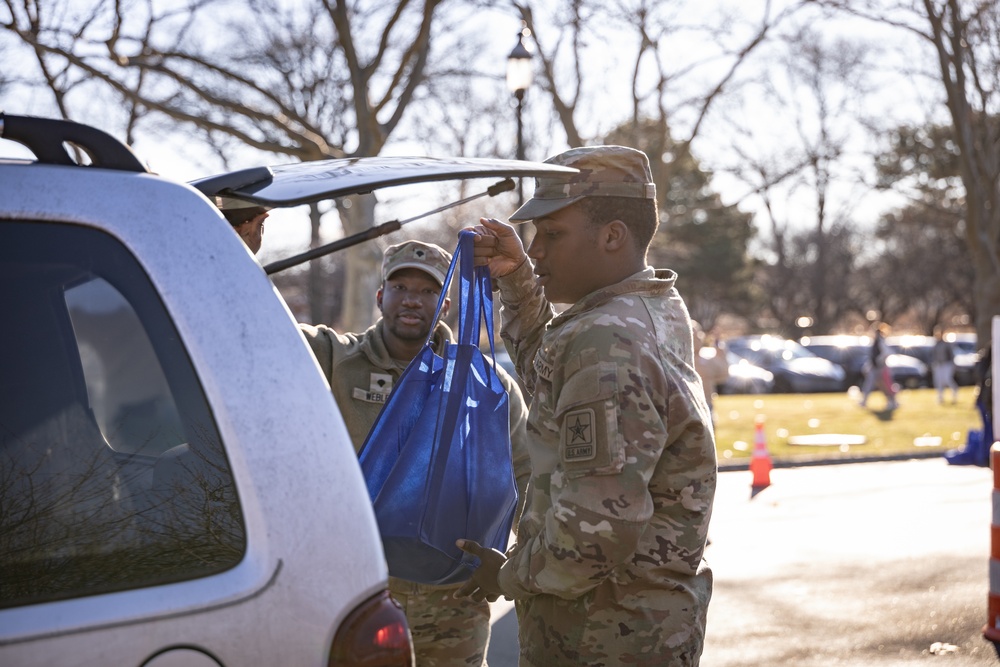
{"x":745,"y":377}
{"x":177,"y":487}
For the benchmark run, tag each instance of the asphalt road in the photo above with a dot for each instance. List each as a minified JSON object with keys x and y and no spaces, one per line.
{"x":860,"y":564}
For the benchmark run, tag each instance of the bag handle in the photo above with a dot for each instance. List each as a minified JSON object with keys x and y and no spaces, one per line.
{"x":475,"y":297}
{"x":486,"y":297}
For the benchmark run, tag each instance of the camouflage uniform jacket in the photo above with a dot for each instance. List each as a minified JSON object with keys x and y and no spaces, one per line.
{"x":608,"y":568}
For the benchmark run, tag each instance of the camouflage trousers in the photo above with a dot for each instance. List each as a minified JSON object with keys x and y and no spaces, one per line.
{"x":446,"y":632}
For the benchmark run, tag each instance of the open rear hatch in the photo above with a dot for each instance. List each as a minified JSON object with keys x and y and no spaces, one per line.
{"x":309,"y":182}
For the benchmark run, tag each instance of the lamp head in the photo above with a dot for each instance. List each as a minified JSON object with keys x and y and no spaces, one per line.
{"x":519,"y":69}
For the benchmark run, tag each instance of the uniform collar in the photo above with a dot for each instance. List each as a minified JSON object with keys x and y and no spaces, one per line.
{"x":649,"y":282}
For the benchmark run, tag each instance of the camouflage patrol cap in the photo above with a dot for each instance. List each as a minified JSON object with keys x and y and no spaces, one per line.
{"x":238,"y":211}
{"x":429,"y":258}
{"x":605,"y":171}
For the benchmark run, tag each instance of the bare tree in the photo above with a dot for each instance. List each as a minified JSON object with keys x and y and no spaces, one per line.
{"x":680,"y":62}
{"x":646,"y":37}
{"x":963,"y":38}
{"x":815,"y":92}
{"x":331,"y":78}
{"x":925,"y":239}
{"x":323,"y":79}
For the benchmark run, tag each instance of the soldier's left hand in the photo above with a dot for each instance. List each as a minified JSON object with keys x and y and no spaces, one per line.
{"x":483,"y":584}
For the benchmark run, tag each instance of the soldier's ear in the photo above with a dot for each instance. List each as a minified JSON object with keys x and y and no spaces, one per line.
{"x":378,"y":299}
{"x":445,"y":306}
{"x":615,"y":235}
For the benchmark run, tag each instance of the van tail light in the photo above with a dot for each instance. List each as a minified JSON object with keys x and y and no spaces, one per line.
{"x":375,"y":634}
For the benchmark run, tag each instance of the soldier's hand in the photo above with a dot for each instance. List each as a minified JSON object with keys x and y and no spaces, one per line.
{"x":483,"y":584}
{"x":497,"y":246}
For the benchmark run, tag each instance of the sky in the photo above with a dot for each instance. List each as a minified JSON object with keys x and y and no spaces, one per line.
{"x":769,"y":131}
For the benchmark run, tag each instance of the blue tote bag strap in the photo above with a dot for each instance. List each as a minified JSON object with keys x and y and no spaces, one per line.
{"x":469,"y":302}
{"x":447,"y":283}
{"x":475,"y":296}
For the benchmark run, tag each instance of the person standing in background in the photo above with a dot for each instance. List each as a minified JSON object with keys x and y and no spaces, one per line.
{"x":943,"y":368}
{"x":877,"y":371}
{"x":711,"y":363}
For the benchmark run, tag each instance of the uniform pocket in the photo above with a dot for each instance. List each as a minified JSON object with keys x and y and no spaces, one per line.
{"x":590,"y":438}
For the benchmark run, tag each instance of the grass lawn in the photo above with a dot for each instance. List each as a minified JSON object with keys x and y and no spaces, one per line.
{"x":913,"y":427}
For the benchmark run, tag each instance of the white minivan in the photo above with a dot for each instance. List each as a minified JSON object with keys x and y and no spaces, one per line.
{"x":177,"y":487}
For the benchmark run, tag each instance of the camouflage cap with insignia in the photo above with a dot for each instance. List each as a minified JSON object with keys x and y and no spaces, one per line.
{"x":429,"y":258}
{"x":238,"y":211}
{"x":605,"y":171}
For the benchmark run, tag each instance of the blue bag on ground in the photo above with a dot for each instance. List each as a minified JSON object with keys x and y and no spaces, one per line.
{"x":437,"y":462}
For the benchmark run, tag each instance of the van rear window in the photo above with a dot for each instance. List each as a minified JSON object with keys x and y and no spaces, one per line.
{"x":113,"y":475}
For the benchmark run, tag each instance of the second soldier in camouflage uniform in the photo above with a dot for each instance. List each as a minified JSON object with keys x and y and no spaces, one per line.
{"x":608,"y":565}
{"x":361,"y":369}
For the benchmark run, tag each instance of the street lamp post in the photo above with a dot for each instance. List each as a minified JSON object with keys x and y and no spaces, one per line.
{"x":519,"y":77}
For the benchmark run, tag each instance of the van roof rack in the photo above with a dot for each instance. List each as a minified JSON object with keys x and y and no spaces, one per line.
{"x":48,"y":138}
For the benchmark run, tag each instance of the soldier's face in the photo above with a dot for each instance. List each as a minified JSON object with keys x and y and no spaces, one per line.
{"x":565,"y":252}
{"x":407,"y":301}
{"x":252,"y":231}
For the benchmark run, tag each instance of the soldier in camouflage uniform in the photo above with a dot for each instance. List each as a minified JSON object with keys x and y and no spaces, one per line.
{"x":608,"y":565}
{"x":362,"y":369}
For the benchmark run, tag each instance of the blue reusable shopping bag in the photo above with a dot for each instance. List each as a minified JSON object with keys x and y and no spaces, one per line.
{"x":437,"y":462}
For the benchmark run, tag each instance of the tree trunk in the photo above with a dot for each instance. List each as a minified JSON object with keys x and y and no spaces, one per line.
{"x":363,"y":263}
{"x":977,"y":153}
{"x":314,"y":285}
{"x":987,"y":294}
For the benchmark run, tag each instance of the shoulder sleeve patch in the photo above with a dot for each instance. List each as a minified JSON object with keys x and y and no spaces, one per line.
{"x":587,"y":410}
{"x":578,"y":435}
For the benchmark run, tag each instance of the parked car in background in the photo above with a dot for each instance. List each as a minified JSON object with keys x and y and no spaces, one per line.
{"x":853,"y":352}
{"x":922,"y":347}
{"x":964,"y":343}
{"x":745,"y":377}
{"x":795,"y":368}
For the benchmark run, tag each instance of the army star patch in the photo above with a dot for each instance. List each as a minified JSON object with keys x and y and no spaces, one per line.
{"x":578,"y":436}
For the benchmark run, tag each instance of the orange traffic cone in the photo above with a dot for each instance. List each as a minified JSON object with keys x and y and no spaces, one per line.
{"x":760,"y":461}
